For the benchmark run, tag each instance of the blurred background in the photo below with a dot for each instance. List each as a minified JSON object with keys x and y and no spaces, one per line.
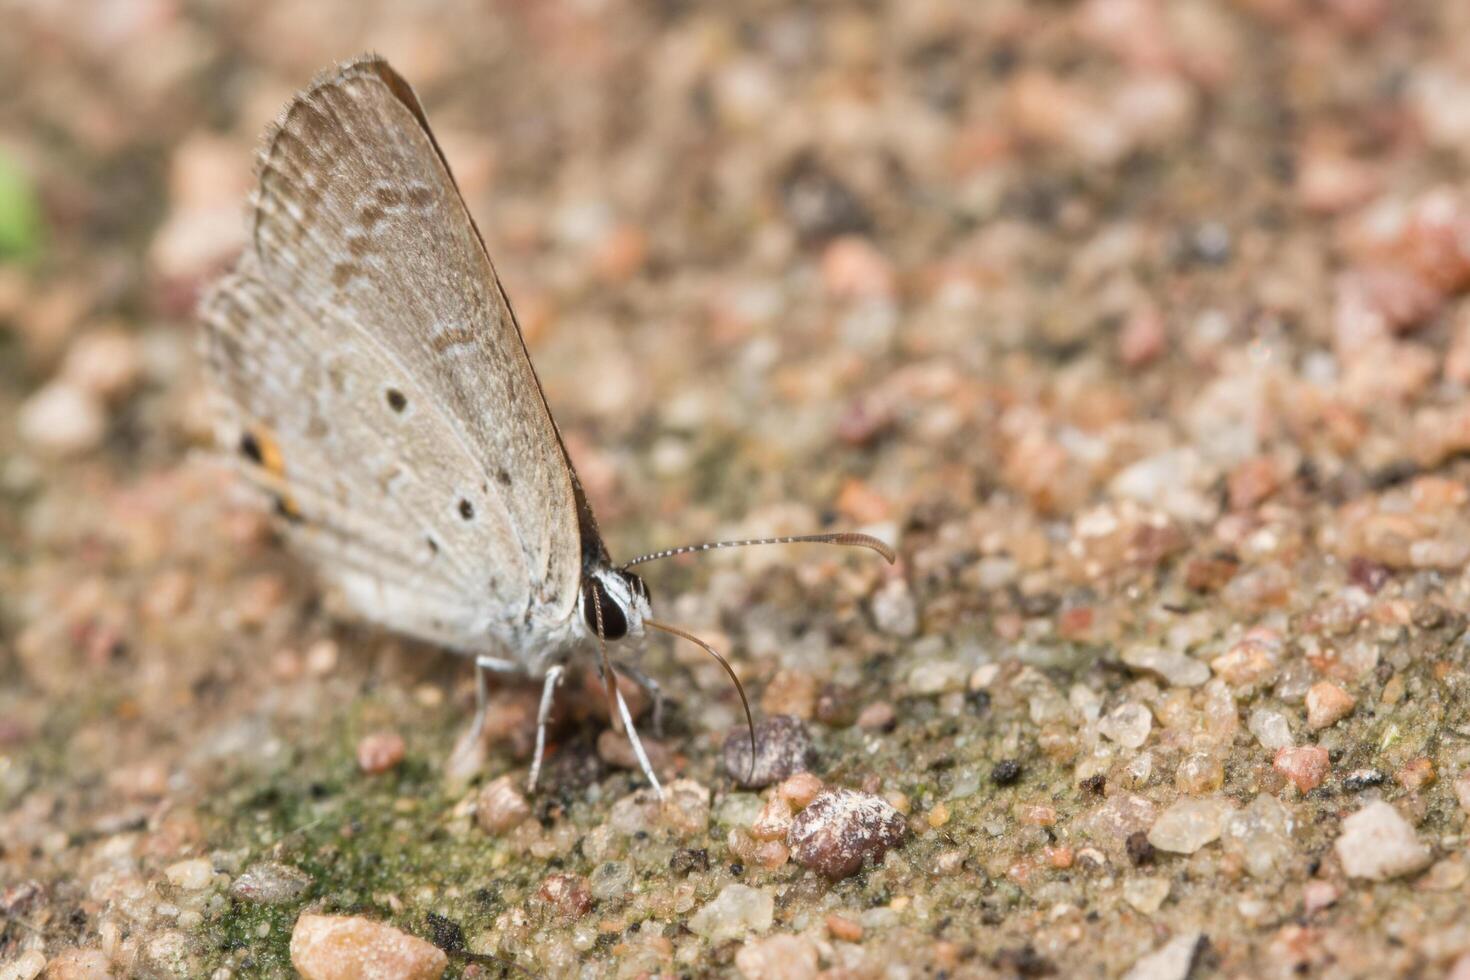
{"x":1135,"y":323}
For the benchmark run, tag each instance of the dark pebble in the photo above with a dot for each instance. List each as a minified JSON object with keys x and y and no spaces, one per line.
{"x":689,"y":859}
{"x":1006,"y":772}
{"x":783,"y":748}
{"x":445,"y":933}
{"x":1095,"y":784}
{"x":1361,"y":779}
{"x":1140,"y":851}
{"x":841,"y":829}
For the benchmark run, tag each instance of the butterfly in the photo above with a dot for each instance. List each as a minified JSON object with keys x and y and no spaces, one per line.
{"x":370,"y":378}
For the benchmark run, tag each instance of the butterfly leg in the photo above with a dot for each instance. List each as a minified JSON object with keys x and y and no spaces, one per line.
{"x":483,"y":667}
{"x":660,"y":699}
{"x":637,"y":744}
{"x":543,"y":717}
{"x":468,"y":755}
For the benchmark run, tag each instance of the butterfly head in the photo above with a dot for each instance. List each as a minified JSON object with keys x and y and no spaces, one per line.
{"x":622,"y":599}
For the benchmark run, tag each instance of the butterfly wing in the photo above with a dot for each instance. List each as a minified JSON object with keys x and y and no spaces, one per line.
{"x":365,"y":341}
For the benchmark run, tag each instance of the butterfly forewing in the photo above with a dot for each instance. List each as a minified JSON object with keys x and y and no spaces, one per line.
{"x":366,"y":335}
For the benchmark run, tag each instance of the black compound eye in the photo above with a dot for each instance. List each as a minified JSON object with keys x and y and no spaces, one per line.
{"x":614,"y":621}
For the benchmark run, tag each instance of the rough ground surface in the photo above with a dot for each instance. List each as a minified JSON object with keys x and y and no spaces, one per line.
{"x":1140,"y":328}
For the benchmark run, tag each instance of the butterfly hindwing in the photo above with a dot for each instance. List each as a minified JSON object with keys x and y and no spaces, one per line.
{"x":366,"y":336}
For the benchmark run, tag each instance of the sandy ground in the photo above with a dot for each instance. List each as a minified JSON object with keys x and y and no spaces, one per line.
{"x":1140,"y":327}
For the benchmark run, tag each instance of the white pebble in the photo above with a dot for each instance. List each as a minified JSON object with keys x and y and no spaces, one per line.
{"x":1378,"y":843}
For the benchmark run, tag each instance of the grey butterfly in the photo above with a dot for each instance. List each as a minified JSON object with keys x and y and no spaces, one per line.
{"x":373,"y":382}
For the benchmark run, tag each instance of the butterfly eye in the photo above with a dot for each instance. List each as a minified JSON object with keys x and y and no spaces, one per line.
{"x":614,"y":621}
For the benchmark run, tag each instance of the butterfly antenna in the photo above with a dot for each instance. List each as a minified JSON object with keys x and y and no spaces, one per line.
{"x":847,"y":539}
{"x":740,"y":688}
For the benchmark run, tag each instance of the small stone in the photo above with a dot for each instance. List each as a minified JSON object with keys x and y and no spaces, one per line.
{"x":1270,"y":728}
{"x":1318,"y":895}
{"x":1146,"y":894}
{"x":1327,"y":704}
{"x":894,"y":610}
{"x":380,"y":752}
{"x":842,"y":828}
{"x":1304,"y":766}
{"x":611,"y":880}
{"x":774,"y":820}
{"x":1462,"y":790}
{"x":350,"y":947}
{"x":1361,"y":779}
{"x":783,"y":748}
{"x":1378,"y":843}
{"x":1176,"y":668}
{"x":1006,"y":772}
{"x":566,"y":894}
{"x":26,"y":966}
{"x":777,"y":958}
{"x":686,"y":807}
{"x":1199,"y":773}
{"x":62,"y":419}
{"x":876,"y":717}
{"x":738,"y":909}
{"x":193,"y":875}
{"x":1188,"y":825}
{"x":271,"y":883}
{"x":791,"y":692}
{"x":1128,"y":724}
{"x":1415,"y":774}
{"x":79,"y":964}
{"x":799,"y":790}
{"x":616,"y":749}
{"x":1118,"y":817}
{"x":1140,"y":851}
{"x":1172,"y":961}
{"x":500,"y":806}
{"x":1261,"y":835}
{"x":842,"y":928}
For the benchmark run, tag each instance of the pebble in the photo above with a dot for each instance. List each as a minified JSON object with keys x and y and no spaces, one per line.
{"x":79,"y":964}
{"x":1128,"y":724}
{"x":876,"y":717}
{"x":783,"y":748}
{"x":566,"y":894}
{"x":774,"y":820}
{"x":1117,"y":818}
{"x":1007,"y":772}
{"x":1146,"y":894}
{"x":799,"y":790}
{"x":1270,"y":728}
{"x":26,"y":966}
{"x":1327,"y":704}
{"x":1261,"y":835}
{"x":842,"y":928}
{"x":784,"y":957}
{"x":1172,"y":961}
{"x":1199,"y":773}
{"x":791,"y":692}
{"x":380,"y":752}
{"x":686,"y":807}
{"x":271,"y":883}
{"x":894,"y":610}
{"x":1378,"y":843}
{"x":611,"y":880}
{"x":1190,"y":824}
{"x":62,"y":419}
{"x":350,"y":947}
{"x":192,"y":875}
{"x":737,"y":910}
{"x":1176,"y":668}
{"x":842,"y":828}
{"x":500,"y":806}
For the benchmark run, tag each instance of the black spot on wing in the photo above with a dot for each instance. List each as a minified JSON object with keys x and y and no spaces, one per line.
{"x":466,"y":509}
{"x":396,"y":400}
